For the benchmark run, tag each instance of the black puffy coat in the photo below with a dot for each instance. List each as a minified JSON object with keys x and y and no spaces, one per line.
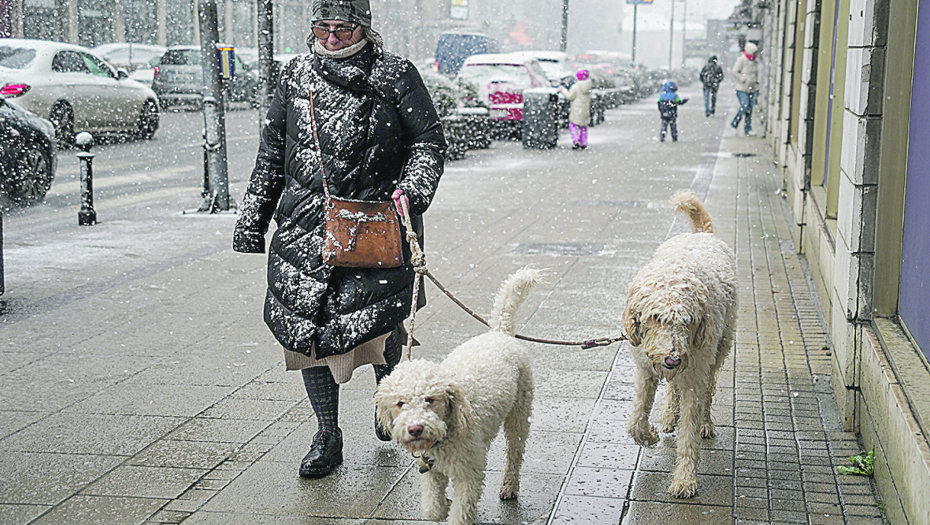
{"x":375,"y":118}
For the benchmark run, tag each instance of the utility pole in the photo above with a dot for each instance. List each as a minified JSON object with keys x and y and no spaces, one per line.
{"x":214,"y":114}
{"x":563,"y":45}
{"x":671,"y":37}
{"x":633,"y":54}
{"x":266,"y":65}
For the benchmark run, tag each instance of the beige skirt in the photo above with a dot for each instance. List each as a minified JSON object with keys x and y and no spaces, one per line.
{"x":341,"y":366}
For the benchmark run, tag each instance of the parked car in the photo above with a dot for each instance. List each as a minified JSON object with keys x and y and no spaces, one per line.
{"x":500,"y":80}
{"x":178,"y":79}
{"x":129,"y":56}
{"x":28,"y":154}
{"x":556,"y":65}
{"x":453,"y":48}
{"x":75,"y":89}
{"x":146,"y":73}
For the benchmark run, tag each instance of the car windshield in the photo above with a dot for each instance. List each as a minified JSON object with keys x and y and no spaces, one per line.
{"x":552,"y":68}
{"x":510,"y":73}
{"x":181,"y":57}
{"x":16,"y":57}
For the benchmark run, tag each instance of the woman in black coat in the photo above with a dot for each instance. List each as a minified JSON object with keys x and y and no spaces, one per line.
{"x":380,"y":138}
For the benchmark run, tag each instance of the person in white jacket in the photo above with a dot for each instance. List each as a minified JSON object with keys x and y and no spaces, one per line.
{"x":579,"y":114}
{"x":746,"y":77}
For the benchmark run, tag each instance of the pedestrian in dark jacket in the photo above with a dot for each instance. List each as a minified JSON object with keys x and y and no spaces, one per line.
{"x":711,"y":77}
{"x":668,"y":110}
{"x":380,"y":137}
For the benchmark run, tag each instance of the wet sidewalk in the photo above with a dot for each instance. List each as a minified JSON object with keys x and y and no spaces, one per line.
{"x":779,"y":435}
{"x":140,"y":385}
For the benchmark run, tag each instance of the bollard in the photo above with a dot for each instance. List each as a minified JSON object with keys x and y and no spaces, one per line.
{"x":87,"y":216}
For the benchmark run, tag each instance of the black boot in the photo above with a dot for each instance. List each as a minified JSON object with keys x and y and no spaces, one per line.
{"x":325,"y":454}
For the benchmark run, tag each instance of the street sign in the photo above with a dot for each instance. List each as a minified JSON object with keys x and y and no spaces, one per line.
{"x":639,"y":2}
{"x":459,"y":10}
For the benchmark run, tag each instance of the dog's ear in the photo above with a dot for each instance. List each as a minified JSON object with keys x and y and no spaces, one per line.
{"x":701,"y":333}
{"x":631,"y":325}
{"x":383,"y":403}
{"x":461,"y":414}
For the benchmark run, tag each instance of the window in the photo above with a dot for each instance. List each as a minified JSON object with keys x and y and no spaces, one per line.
{"x":68,"y":62}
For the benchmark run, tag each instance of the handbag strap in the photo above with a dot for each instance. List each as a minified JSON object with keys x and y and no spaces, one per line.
{"x":319,"y":150}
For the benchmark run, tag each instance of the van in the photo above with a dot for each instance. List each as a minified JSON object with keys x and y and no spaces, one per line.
{"x":453,"y":48}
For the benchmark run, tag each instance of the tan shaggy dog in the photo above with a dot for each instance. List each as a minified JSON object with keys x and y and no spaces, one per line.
{"x":680,"y":318}
{"x":446,"y":414}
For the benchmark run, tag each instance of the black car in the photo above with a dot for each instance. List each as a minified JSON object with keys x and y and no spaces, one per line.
{"x":28,"y":154}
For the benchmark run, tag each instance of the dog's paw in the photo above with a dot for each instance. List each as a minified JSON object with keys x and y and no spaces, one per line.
{"x":508,"y":493}
{"x":644,"y":435}
{"x":668,"y":428}
{"x":708,"y":430}
{"x":439,"y":511}
{"x":683,"y":489}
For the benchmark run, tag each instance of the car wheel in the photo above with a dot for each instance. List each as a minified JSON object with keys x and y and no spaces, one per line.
{"x":32,"y":176}
{"x":148,"y":120}
{"x":62,"y":116}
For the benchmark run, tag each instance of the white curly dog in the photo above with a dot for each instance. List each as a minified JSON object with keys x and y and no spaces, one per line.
{"x":680,"y":318}
{"x":446,"y":414}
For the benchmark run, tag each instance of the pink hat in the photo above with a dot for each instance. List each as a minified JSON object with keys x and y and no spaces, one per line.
{"x":582,"y":75}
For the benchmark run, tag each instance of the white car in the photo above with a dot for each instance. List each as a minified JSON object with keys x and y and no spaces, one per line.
{"x":556,"y":64}
{"x":129,"y":56}
{"x":75,"y":89}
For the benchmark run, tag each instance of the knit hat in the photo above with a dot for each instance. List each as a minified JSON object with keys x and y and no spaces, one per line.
{"x":355,"y":11}
{"x":582,"y":75}
{"x":750,"y":48}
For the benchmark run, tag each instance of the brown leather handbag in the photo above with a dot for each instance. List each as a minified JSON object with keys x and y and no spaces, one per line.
{"x":359,"y":234}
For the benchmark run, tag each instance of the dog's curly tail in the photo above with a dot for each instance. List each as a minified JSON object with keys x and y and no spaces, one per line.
{"x":511,"y":295}
{"x":689,"y":203}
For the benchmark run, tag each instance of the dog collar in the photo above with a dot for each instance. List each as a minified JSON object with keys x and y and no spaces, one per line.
{"x":427,"y":462}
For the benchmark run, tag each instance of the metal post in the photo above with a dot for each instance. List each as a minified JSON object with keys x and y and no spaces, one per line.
{"x":671,"y":36}
{"x":563,"y":45}
{"x":213,"y":113}
{"x":633,"y":55}
{"x":87,"y":216}
{"x":266,"y":64}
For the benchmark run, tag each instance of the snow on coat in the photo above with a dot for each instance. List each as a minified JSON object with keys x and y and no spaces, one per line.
{"x":579,"y":94}
{"x":375,"y":119}
{"x":711,"y":74}
{"x":746,"y":73}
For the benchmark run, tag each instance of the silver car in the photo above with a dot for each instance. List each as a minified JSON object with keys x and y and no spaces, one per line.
{"x":75,"y":89}
{"x":178,"y":79}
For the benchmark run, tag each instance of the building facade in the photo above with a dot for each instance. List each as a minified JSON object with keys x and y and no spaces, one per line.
{"x":846,"y":117}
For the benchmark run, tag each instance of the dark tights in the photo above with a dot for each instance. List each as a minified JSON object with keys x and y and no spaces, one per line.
{"x":323,"y":390}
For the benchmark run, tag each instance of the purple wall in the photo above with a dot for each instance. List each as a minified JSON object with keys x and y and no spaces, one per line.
{"x":914,"y":299}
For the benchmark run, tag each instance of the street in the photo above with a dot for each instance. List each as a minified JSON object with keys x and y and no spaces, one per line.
{"x":140,"y":384}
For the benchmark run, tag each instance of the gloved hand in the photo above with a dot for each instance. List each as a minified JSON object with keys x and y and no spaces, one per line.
{"x":397,"y":197}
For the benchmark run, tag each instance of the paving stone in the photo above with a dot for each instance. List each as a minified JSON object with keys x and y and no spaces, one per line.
{"x":102,"y":510}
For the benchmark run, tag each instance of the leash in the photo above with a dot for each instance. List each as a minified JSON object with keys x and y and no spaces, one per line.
{"x":418,"y":260}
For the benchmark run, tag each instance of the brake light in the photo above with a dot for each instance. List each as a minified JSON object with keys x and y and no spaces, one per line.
{"x":436,"y":66}
{"x":155,"y":72}
{"x":14,"y":90}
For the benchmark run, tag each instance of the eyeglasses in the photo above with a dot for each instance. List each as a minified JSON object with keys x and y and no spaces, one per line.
{"x":341,"y":32}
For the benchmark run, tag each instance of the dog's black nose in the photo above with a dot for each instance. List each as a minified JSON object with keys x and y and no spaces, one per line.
{"x":672,"y":362}
{"x":415,"y":430}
